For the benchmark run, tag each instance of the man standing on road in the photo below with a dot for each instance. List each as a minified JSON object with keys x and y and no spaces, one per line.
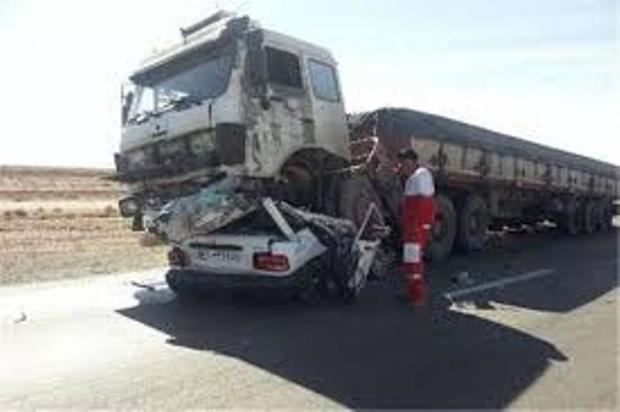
{"x":417,"y":215}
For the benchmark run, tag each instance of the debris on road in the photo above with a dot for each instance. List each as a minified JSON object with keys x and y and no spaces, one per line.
{"x":463,"y":278}
{"x":143,"y":286}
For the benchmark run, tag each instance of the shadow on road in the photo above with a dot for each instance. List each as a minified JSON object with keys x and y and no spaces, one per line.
{"x":378,"y":353}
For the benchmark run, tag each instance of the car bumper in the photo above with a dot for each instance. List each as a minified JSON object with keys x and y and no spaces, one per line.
{"x":204,"y":280}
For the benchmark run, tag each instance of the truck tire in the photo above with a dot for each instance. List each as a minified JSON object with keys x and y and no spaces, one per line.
{"x":605,"y":215}
{"x":474,"y":218}
{"x":355,"y":197}
{"x":444,"y":229}
{"x":590,"y":217}
{"x":300,"y":187}
{"x":571,"y":219}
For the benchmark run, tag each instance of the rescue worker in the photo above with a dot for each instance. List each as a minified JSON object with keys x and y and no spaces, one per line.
{"x":417,"y":215}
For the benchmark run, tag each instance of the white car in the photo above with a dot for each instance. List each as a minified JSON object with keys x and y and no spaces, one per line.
{"x":313,"y":255}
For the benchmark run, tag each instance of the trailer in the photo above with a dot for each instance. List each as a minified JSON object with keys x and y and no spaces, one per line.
{"x":488,"y":180}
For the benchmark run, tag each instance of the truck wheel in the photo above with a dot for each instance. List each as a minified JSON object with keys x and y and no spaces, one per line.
{"x":444,"y":229}
{"x":300,"y":187}
{"x":331,"y":195}
{"x":590,"y":217}
{"x":605,"y":215}
{"x":571,"y":221}
{"x":356,"y":196}
{"x":474,"y":220}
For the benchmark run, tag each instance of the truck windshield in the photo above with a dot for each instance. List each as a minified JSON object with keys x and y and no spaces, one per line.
{"x":189,"y":81}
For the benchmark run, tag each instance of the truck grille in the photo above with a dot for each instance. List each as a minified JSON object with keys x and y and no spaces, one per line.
{"x":167,"y":158}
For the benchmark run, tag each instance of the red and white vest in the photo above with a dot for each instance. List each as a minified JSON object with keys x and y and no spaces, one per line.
{"x":418,"y":207}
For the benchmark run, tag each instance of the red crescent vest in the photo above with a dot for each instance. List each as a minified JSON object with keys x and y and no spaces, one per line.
{"x":418,"y":206}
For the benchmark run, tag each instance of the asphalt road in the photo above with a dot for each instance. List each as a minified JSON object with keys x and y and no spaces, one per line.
{"x":547,"y":342}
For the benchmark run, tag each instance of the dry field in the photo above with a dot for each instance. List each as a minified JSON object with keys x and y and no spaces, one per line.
{"x":58,"y":223}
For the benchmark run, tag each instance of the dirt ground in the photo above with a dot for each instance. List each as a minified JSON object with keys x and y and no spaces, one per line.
{"x":58,"y":223}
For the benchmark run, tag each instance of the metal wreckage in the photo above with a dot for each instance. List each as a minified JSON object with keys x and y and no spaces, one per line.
{"x":243,"y":240}
{"x":234,"y":135}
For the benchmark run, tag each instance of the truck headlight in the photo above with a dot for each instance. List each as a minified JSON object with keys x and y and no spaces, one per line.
{"x":129,"y":206}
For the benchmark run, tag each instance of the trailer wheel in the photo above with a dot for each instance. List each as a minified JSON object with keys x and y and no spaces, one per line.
{"x":571,"y":221}
{"x":356,"y":196}
{"x":474,"y":220}
{"x":590,"y":217}
{"x":444,"y":229}
{"x":605,"y":215}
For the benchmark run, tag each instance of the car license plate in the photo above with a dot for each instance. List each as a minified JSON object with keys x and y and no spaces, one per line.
{"x":221,"y":258}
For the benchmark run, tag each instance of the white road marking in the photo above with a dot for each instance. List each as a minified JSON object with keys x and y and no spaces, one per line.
{"x":498,"y":283}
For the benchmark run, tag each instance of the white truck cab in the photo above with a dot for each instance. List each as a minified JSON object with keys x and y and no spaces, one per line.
{"x":230,"y":98}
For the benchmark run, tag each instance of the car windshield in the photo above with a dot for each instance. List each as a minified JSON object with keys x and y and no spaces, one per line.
{"x":189,"y":81}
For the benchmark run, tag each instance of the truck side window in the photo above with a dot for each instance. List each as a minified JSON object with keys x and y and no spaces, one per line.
{"x":323,"y":79}
{"x":284,"y":68}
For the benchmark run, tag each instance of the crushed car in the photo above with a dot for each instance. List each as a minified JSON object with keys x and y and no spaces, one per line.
{"x":223,"y":239}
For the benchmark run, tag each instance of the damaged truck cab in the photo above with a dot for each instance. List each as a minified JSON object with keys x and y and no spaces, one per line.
{"x":230,"y":99}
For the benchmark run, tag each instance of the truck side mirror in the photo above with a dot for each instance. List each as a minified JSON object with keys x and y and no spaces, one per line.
{"x":127,"y":101}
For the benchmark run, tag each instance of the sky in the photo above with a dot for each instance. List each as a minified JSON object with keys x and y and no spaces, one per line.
{"x":541,"y":70}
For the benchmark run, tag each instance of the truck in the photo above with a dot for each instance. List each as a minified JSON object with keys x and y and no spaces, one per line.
{"x":234,"y":100}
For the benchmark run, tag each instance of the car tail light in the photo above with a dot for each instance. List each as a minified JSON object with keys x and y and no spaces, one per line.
{"x":177,"y":258}
{"x":271,"y":262}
